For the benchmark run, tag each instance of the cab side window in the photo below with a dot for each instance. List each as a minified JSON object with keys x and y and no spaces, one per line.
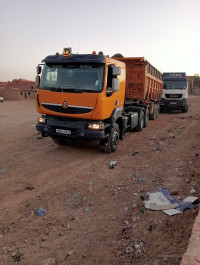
{"x":109,"y":78}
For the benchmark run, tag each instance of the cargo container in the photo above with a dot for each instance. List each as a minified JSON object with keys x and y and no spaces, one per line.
{"x":143,"y":84}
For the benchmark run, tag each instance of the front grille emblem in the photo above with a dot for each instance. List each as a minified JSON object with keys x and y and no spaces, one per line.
{"x":65,"y":104}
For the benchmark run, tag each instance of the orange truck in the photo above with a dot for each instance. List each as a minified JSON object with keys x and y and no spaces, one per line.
{"x":92,"y":96}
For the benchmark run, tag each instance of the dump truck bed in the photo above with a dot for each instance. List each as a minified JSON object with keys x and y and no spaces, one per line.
{"x":143,"y":81}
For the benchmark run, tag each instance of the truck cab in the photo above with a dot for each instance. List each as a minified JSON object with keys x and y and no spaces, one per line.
{"x":175,"y":92}
{"x":93,"y":96}
{"x":80,"y":96}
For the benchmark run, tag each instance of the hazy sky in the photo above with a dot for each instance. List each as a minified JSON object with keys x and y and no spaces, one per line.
{"x":165,"y":32}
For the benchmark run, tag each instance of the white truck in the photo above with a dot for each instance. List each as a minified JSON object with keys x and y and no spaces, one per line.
{"x":175,"y":92}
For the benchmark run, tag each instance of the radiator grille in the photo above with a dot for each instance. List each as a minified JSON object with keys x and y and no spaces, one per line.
{"x":68,"y":110}
{"x":174,"y":96}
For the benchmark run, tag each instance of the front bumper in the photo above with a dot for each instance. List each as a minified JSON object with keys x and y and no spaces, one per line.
{"x":174,"y":104}
{"x":69,"y":128}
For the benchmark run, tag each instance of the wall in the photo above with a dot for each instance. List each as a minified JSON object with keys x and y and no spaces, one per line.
{"x":16,"y":94}
{"x":196,"y":91}
{"x":18,"y":89}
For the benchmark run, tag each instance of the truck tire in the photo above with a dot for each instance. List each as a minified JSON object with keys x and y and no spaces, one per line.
{"x":140,"y":125}
{"x":154,"y":115}
{"x":112,"y":141}
{"x":157,"y":111}
{"x":146,"y":118}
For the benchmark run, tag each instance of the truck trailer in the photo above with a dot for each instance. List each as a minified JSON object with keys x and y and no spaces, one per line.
{"x":93,"y":96}
{"x":175,"y":92}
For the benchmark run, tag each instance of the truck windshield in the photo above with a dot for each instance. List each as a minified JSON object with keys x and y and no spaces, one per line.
{"x":175,"y":84}
{"x":74,"y":77}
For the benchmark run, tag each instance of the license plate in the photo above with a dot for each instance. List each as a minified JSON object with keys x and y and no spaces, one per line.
{"x":173,"y":102}
{"x":61,"y":131}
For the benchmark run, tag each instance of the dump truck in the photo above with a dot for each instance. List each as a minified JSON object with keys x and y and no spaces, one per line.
{"x":175,"y":92}
{"x":93,"y":96}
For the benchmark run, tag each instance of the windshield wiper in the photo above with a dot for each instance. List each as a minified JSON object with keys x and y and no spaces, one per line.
{"x":68,"y":89}
{"x":76,"y":90}
{"x":60,"y":89}
{"x":88,"y":91}
{"x":48,"y":88}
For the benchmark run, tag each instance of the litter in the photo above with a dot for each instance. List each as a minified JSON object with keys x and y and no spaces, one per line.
{"x":190,"y":199}
{"x":192,"y":191}
{"x":163,"y":200}
{"x":159,"y":148}
{"x":128,"y":250}
{"x":4,"y":170}
{"x":91,"y":184}
{"x":32,"y":213}
{"x":142,"y":179}
{"x":112,"y":164}
{"x":17,"y":257}
{"x":171,"y":212}
{"x":134,"y":205}
{"x":126,"y":229}
{"x":159,"y":201}
{"x":135,"y":247}
{"x":41,"y":212}
{"x":150,"y":228}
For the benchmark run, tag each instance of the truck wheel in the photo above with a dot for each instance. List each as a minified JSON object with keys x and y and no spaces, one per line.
{"x":146,"y":118}
{"x":140,"y":125}
{"x":154,"y":115}
{"x":111,"y":144}
{"x":157,"y":111}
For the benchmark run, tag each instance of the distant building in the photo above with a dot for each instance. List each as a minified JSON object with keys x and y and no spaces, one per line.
{"x":190,"y":82}
{"x":194,"y":89}
{"x":18,"y":89}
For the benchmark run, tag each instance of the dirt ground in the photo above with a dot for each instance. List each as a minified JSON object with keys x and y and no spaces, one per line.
{"x":94,"y":214}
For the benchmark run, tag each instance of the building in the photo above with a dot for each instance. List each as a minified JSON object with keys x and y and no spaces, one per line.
{"x":18,"y":89}
{"x":193,"y":88}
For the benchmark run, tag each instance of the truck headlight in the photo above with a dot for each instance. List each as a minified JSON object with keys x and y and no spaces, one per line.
{"x":96,"y":126}
{"x":42,"y":119}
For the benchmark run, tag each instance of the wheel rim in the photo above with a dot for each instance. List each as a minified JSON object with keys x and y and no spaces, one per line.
{"x":115,"y":139}
{"x":147,"y":118}
{"x":142,"y":121}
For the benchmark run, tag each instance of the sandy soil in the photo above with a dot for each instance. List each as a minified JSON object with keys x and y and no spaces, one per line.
{"x":94,"y":214}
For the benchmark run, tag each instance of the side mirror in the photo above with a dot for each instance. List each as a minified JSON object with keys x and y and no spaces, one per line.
{"x":37,"y":81}
{"x":116,"y":71}
{"x":115,"y":84}
{"x":38,"y":69}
